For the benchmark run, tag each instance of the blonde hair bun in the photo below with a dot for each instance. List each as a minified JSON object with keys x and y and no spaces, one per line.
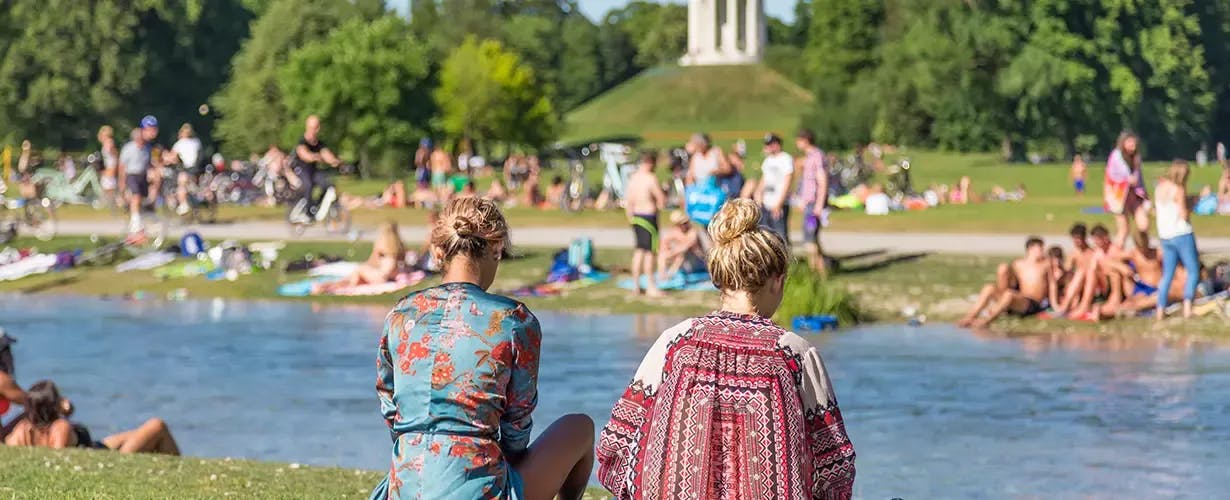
{"x":736,"y":218}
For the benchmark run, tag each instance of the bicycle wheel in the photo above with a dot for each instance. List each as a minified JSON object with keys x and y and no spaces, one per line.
{"x":338,"y":220}
{"x":41,"y":219}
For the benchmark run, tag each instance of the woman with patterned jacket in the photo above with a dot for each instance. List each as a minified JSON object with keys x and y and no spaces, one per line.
{"x":728,"y":405}
{"x":457,"y":378}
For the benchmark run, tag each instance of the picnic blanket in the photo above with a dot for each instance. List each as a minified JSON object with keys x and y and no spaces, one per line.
{"x":680,"y":282}
{"x":29,"y":266}
{"x":145,"y":262}
{"x":553,"y":288}
{"x":184,"y":270}
{"x":303,"y":288}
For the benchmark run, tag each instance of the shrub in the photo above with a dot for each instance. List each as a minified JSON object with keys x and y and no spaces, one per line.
{"x":809,"y":293}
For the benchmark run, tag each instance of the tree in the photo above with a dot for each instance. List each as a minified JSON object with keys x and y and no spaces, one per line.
{"x":253,"y":114}
{"x":580,"y":65}
{"x":70,"y":66}
{"x":487,"y":93}
{"x":667,"y":37}
{"x":842,"y":51}
{"x":370,"y":82}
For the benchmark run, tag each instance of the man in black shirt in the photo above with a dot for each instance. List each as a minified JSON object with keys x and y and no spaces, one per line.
{"x":307,"y":156}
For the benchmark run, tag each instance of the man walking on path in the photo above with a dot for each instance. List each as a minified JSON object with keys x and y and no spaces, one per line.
{"x":777,"y":175}
{"x":645,"y":200}
{"x":136,"y":160}
{"x":814,"y":195}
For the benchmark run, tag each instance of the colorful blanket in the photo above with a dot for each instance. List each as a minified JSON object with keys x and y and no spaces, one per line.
{"x":304,"y":288}
{"x":681,"y":282}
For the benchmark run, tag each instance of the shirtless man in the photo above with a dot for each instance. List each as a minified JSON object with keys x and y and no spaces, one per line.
{"x":645,"y":199}
{"x":1137,"y":283}
{"x":1077,"y":264}
{"x":1096,"y":276}
{"x":1035,"y":288}
{"x":680,"y":248}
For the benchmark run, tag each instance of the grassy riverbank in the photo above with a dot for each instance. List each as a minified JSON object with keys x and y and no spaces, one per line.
{"x":33,"y":473}
{"x":882,"y":287}
{"x":1050,"y":207}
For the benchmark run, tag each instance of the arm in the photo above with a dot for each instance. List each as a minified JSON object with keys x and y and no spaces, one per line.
{"x":329,"y":157}
{"x":522,"y":395}
{"x":1180,"y":198}
{"x":384,"y":371}
{"x":306,"y":155}
{"x":789,"y":180}
{"x":831,"y":449}
{"x":659,"y":196}
{"x":11,"y":391}
{"x":61,"y":434}
{"x":1052,"y":291}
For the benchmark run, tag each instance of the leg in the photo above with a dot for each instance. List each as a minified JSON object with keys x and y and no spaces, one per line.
{"x":1075,"y":287}
{"x":1091,"y":285}
{"x":1121,"y":229}
{"x":153,"y":436}
{"x":1008,"y":300}
{"x":984,"y":298}
{"x":560,"y":460}
{"x":1191,"y":263}
{"x":1170,"y":263}
{"x":181,"y":190}
{"x":1004,"y":279}
{"x":647,"y":261}
{"x":1141,"y":216}
{"x":636,"y":270}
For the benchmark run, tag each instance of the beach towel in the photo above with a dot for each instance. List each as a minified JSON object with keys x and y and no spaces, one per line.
{"x":184,"y":270}
{"x":553,"y":288}
{"x":1118,"y":182}
{"x":680,"y":282}
{"x":29,"y":266}
{"x":146,"y":262}
{"x":302,"y":288}
{"x":334,"y":269}
{"x":403,"y":281}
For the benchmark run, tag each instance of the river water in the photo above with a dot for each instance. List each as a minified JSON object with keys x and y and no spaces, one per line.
{"x":934,"y":412}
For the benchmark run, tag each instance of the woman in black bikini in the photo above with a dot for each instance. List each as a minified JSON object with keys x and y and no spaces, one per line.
{"x":45,"y":424}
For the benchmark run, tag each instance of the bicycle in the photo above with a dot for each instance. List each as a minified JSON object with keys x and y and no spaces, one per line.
{"x":37,"y":214}
{"x":331,"y":214}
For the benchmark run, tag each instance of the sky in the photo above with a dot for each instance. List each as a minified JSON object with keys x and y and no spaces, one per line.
{"x":595,"y":9}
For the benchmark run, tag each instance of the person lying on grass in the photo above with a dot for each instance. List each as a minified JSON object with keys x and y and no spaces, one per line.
{"x":388,"y":259}
{"x":1033,"y":292}
{"x":45,"y":424}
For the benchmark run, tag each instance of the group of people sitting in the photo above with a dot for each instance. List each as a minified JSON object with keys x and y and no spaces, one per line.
{"x":44,"y":419}
{"x":1104,"y":278}
{"x":724,"y":405}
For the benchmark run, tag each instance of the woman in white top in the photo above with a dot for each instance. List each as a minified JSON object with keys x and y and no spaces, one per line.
{"x":707,"y":160}
{"x":1178,"y":241}
{"x":110,"y":158}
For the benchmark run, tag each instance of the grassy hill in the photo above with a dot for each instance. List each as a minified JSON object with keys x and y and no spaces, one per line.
{"x":666,"y":104}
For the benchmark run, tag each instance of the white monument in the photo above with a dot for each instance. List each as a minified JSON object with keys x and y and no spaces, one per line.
{"x":725,"y":32}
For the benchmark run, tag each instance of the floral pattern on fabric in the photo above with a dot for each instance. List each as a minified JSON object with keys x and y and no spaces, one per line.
{"x":727,"y":407}
{"x":457,"y":378}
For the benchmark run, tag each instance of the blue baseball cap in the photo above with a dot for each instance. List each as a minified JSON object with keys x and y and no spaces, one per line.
{"x":425,"y":142}
{"x":149,"y":122}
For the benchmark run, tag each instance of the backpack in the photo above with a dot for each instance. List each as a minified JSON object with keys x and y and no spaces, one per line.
{"x":191,"y":245}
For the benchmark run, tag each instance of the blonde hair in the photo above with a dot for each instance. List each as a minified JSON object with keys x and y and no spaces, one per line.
{"x":106,"y":130}
{"x":745,"y":256}
{"x":1177,"y":173}
{"x":388,"y":241}
{"x":468,"y":226}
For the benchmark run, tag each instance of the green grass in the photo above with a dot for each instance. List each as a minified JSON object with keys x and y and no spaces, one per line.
{"x":35,"y":473}
{"x":809,"y":293}
{"x":668,"y":103}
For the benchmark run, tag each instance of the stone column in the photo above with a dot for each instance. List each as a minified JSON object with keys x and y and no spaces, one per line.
{"x":730,"y":29}
{"x":693,"y":15}
{"x":709,"y":27}
{"x":751,"y":29}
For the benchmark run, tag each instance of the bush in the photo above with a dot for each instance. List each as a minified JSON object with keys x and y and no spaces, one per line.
{"x":809,"y":293}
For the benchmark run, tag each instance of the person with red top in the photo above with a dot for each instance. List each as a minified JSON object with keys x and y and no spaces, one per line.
{"x":728,"y":405}
{"x":10,"y":392}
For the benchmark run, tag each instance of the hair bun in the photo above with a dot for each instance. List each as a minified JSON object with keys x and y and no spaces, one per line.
{"x":464,"y":227}
{"x":736,"y":218}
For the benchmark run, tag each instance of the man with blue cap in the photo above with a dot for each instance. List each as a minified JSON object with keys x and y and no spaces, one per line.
{"x":136,"y":163}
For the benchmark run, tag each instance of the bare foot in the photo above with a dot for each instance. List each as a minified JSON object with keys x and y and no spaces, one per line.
{"x":980,"y":323}
{"x":965,"y":322}
{"x":654,"y":293}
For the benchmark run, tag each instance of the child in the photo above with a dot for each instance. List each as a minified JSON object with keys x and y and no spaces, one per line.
{"x":1077,"y":174}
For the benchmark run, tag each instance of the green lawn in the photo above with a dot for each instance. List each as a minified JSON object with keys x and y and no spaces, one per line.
{"x":35,"y":473}
{"x":668,"y":103}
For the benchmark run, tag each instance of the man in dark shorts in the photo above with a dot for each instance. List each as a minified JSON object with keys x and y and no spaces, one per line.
{"x":307,"y":156}
{"x":137,"y":158}
{"x":814,"y":194}
{"x":1034,"y":292}
{"x":645,"y":199}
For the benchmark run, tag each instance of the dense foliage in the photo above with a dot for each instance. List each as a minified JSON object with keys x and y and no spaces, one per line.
{"x":1050,"y":75}
{"x":1043,"y":75}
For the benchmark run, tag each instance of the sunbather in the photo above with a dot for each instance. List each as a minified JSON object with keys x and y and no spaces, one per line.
{"x":387,"y":260}
{"x":45,"y":424}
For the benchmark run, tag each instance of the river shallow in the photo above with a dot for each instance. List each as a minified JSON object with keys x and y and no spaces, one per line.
{"x":934,"y":412}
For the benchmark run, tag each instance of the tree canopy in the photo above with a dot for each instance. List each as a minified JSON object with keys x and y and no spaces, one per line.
{"x":487,"y":93}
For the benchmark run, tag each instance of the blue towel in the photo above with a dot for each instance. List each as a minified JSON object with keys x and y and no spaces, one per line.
{"x":302,"y":288}
{"x":1093,"y":210}
{"x":685,"y":282}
